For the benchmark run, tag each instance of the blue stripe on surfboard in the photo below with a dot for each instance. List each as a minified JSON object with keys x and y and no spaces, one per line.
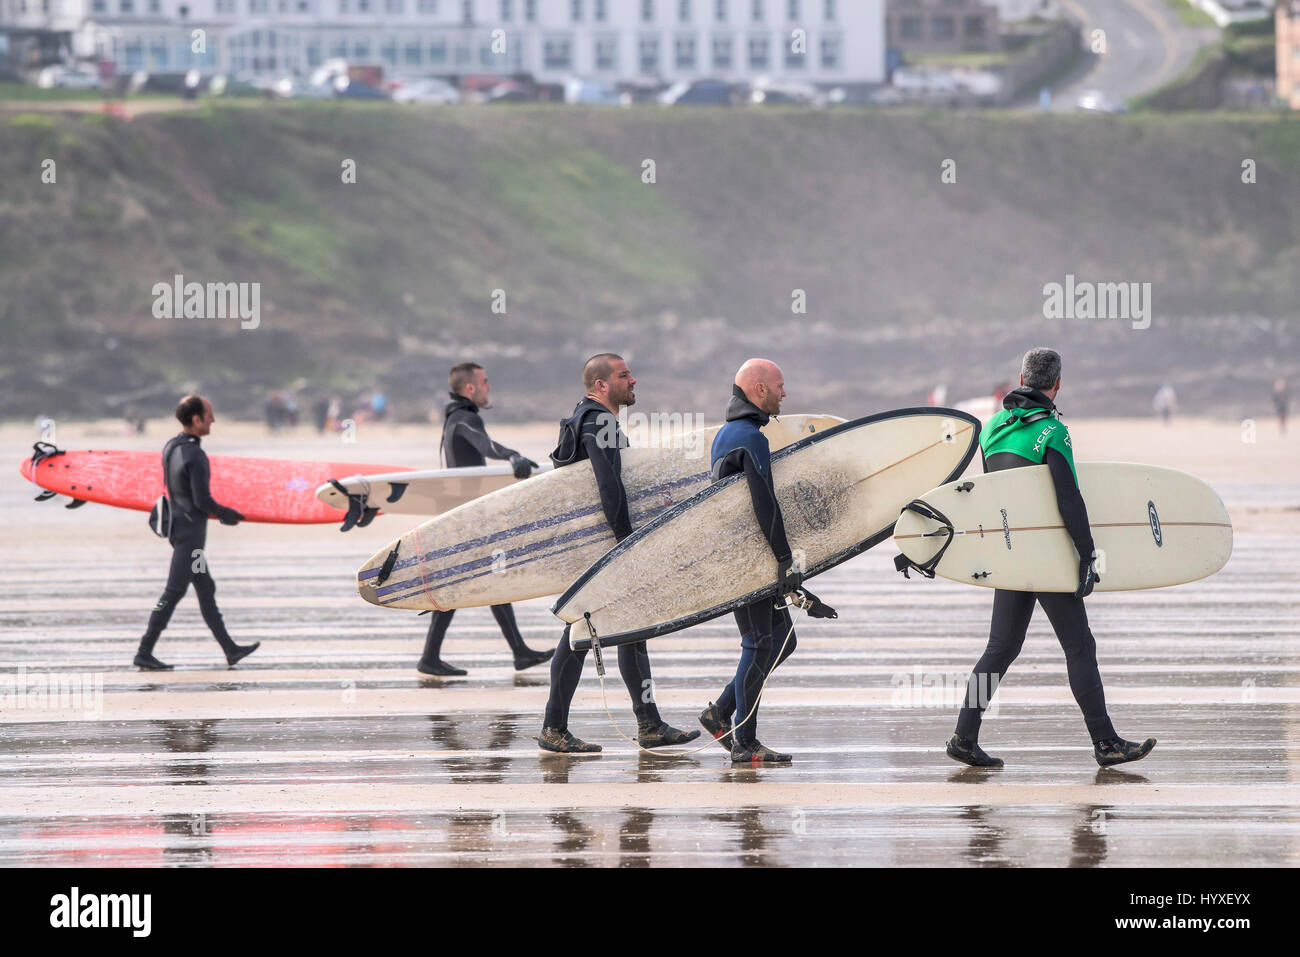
{"x":415,"y":586}
{"x":430,"y":556}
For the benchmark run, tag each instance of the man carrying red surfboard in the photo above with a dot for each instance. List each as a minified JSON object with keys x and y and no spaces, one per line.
{"x":465,"y":443}
{"x":1027,"y":432}
{"x":185,"y":475}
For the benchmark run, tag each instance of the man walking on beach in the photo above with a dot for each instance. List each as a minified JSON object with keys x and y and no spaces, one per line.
{"x":185,"y":476}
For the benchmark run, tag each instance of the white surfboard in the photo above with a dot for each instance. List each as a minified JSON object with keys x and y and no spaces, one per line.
{"x":422,"y":492}
{"x":1152,"y":527}
{"x":534,"y":537}
{"x":840,"y":493}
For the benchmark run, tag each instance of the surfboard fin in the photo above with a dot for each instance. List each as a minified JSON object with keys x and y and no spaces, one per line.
{"x":359,"y":514}
{"x":76,"y":503}
{"x":396,"y":491}
{"x":46,"y":495}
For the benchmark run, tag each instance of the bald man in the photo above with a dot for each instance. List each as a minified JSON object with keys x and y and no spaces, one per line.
{"x":592,"y":433}
{"x":741,"y":446}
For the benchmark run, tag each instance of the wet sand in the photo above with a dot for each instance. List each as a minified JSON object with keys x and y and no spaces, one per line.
{"x":326,"y":747}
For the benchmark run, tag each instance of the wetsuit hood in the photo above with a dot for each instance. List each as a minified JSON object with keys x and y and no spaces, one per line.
{"x":741,"y":408}
{"x":459,"y":402}
{"x":1028,"y":399}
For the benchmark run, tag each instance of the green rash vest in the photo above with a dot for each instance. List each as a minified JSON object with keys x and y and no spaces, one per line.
{"x":1008,"y":432}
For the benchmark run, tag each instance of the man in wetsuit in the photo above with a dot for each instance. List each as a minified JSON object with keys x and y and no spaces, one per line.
{"x":741,"y":446}
{"x":1028,"y":432}
{"x":592,"y":432}
{"x":185,"y":475}
{"x":465,"y":443}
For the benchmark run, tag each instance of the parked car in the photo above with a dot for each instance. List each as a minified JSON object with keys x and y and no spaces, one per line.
{"x":1095,"y":101}
{"x":699,"y":93}
{"x":426,"y":90}
{"x":356,"y":90}
{"x":767,"y":92}
{"x":67,"y":78}
{"x":595,"y":93}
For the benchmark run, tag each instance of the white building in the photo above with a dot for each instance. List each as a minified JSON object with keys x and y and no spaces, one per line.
{"x":816,"y":41}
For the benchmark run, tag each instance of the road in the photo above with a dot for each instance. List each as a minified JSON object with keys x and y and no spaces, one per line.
{"x":1147,"y":45}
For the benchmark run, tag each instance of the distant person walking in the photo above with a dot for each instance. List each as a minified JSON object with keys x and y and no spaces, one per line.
{"x":1281,"y":400}
{"x":1027,"y":432}
{"x":1165,"y":402}
{"x":465,"y":443}
{"x":185,"y":476}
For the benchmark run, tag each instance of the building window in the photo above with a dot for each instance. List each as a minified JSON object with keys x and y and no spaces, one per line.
{"x":101,"y":6}
{"x":361,"y":49}
{"x":428,"y":6}
{"x":397,"y":7}
{"x":602,"y":10}
{"x":158,"y":54}
{"x":831,"y":47}
{"x":257,"y":6}
{"x":575,"y":11}
{"x":793,"y":60}
{"x":648,"y":55}
{"x":758,"y":53}
{"x":722,"y":53}
{"x":128,"y":6}
{"x":557,"y":53}
{"x":909,"y":28}
{"x":339,"y":49}
{"x":942,"y":28}
{"x":792,"y":10}
{"x":413,"y":54}
{"x":464,"y":56}
{"x":134,"y":54}
{"x":647,"y":11}
{"x":363,"y":6}
{"x":507,"y":10}
{"x":313,"y":54}
{"x":720,"y":11}
{"x":388,"y":52}
{"x":438,"y":51}
{"x":530,"y":11}
{"x":828,"y":11}
{"x":606,"y":53}
{"x":974,"y":27}
{"x":684,"y":52}
{"x":756,"y":11}
{"x":155,"y":6}
{"x":683,"y":11}
{"x":467,"y":11}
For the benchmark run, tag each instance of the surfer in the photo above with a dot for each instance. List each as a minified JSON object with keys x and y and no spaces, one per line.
{"x":741,"y":446}
{"x":185,"y":476}
{"x":465,"y":443}
{"x":1028,"y":432}
{"x":592,"y":432}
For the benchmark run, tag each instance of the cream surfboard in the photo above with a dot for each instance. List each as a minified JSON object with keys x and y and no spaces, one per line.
{"x":535,"y":536}
{"x":840,"y":493}
{"x":423,"y":492}
{"x":1152,"y":527}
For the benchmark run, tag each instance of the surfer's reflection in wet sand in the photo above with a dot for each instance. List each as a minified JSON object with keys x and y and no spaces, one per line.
{"x":466,"y":769}
{"x":985,"y":845}
{"x":196,"y":828}
{"x":753,"y":836}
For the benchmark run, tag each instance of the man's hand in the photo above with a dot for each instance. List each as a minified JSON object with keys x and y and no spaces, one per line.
{"x":812,"y":605}
{"x":229,"y":516}
{"x":789,"y":577}
{"x":523,"y":466}
{"x":1087,"y":576}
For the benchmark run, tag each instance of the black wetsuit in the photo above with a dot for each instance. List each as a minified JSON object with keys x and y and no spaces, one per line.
{"x":465,"y":443}
{"x":592,"y":433}
{"x":185,"y":472}
{"x":763,"y":627}
{"x":1013,"y":609}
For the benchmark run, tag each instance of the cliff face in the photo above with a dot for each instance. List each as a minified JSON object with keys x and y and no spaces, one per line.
{"x":528,"y":238}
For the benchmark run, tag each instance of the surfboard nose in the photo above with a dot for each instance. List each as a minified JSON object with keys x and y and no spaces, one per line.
{"x":368,"y":591}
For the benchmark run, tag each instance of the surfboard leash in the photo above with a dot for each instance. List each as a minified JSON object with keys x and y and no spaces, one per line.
{"x":600,"y":672}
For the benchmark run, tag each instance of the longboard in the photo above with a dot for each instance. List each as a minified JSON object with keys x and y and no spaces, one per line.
{"x":534,"y":536}
{"x":263,"y":490}
{"x":423,"y":492}
{"x":840,"y":493}
{"x":1152,"y":527}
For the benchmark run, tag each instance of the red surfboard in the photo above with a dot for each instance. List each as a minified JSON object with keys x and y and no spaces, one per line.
{"x":263,"y":490}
